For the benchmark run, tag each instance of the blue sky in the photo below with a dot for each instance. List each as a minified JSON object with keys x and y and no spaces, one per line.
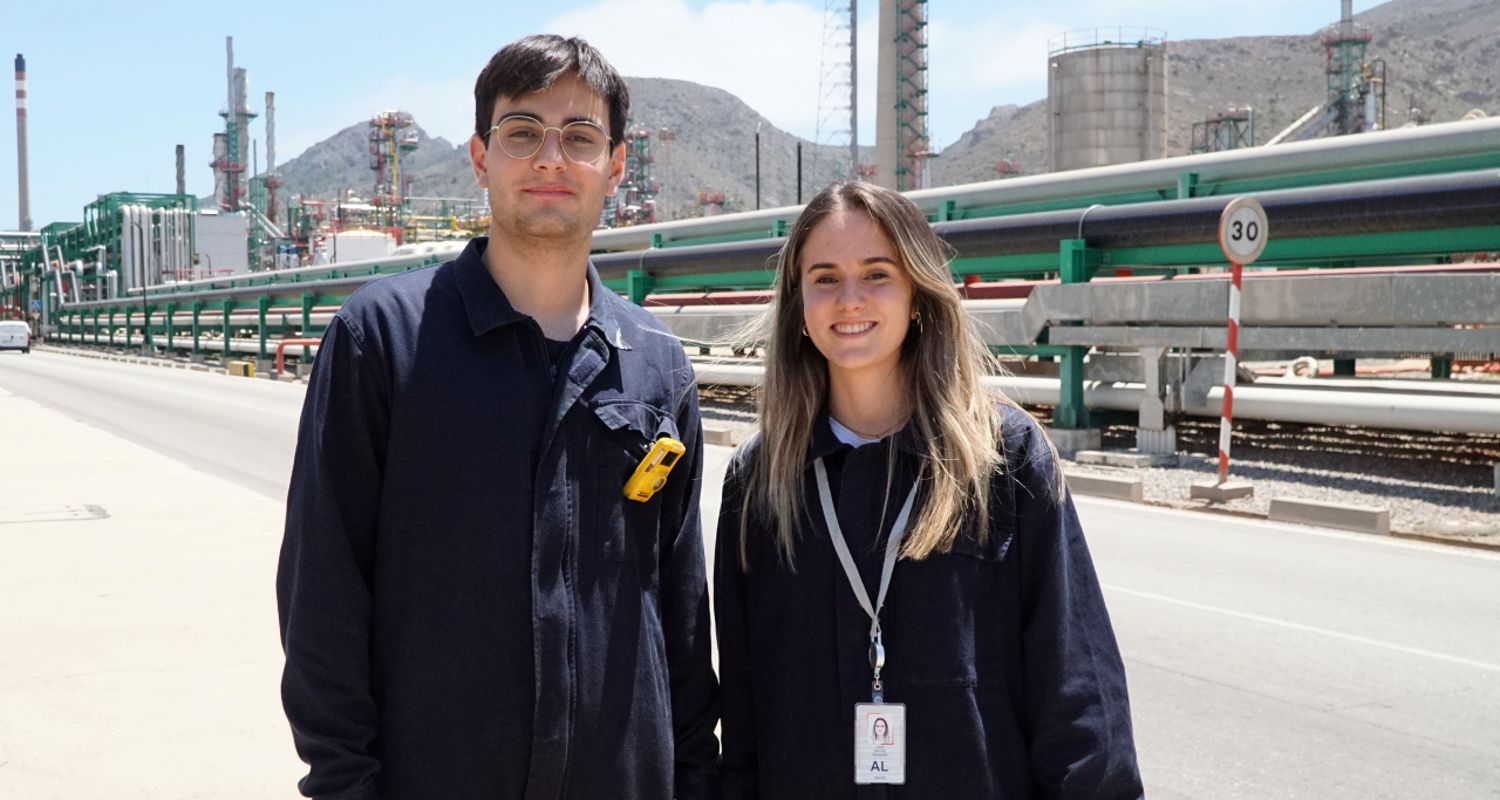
{"x":113,"y":87}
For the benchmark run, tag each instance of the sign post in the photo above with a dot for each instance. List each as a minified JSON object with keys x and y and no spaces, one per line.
{"x":1243,"y":233}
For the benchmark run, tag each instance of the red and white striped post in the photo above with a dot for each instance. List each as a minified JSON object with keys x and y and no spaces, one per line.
{"x":1231,"y":364}
{"x":1242,"y":236}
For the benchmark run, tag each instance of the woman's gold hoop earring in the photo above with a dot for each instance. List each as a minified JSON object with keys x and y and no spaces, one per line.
{"x":804,"y":330}
{"x":916,"y":316}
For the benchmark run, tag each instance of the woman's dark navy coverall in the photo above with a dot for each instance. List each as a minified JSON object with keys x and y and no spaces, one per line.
{"x":1002,"y":651}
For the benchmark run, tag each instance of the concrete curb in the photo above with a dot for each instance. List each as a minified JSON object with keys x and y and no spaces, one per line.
{"x":1134,"y":460}
{"x":1131,"y":489}
{"x":291,"y":376}
{"x":726,"y":437}
{"x":1365,"y":519}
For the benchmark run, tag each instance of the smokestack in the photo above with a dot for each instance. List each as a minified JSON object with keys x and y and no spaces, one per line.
{"x":270,"y":133}
{"x":229,"y":73}
{"x":181,"y":170}
{"x":1346,"y":18}
{"x":23,"y":184}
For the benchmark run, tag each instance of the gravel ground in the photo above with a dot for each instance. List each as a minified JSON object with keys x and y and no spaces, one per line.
{"x":1438,"y":486}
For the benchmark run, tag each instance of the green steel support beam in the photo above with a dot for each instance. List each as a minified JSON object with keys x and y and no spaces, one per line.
{"x":111,"y":327}
{"x":147,"y":343}
{"x":129,"y":314}
{"x":171,"y":312}
{"x":1442,"y":367}
{"x":307,"y":307}
{"x":226,"y":328}
{"x":262,"y":306}
{"x":1187,"y":185}
{"x":1308,"y":252}
{"x":639,"y":285}
{"x":1073,"y":266}
{"x":197,"y":327}
{"x":1039,"y":350}
{"x":1344,"y":367}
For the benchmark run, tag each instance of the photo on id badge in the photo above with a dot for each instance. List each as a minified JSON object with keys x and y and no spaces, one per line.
{"x":880,"y":743}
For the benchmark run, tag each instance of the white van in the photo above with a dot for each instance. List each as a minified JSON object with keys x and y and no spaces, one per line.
{"x":15,"y":335}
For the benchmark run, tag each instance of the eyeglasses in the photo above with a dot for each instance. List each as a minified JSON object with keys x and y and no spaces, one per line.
{"x":523,"y":137}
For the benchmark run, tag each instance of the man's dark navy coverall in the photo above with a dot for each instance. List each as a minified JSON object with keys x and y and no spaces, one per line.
{"x":470,"y":606}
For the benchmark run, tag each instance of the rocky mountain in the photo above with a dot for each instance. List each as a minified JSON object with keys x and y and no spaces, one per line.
{"x":712,"y":149}
{"x":1440,"y":59}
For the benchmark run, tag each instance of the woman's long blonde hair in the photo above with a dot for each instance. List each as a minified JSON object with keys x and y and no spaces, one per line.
{"x":942,"y":360}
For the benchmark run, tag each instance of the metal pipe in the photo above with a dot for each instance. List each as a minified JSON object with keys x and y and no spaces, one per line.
{"x":1474,"y":414}
{"x":127,"y":247}
{"x":270,"y":133}
{"x":853,"y":92}
{"x":1295,"y":126}
{"x":1400,"y":204}
{"x":181,"y":170}
{"x":1423,"y":203}
{"x":1333,"y":154}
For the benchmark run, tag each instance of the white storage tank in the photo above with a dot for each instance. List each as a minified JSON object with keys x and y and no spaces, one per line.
{"x":1107,"y":97}
{"x":221,"y":244}
{"x":359,"y":245}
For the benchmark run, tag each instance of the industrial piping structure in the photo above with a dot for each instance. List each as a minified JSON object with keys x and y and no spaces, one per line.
{"x":1333,"y":202}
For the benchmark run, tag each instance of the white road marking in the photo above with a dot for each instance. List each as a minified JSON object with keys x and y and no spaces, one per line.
{"x":1297,"y":626}
{"x":1263,"y":525}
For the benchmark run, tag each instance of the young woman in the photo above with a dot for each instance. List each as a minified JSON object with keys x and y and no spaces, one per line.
{"x":896,"y":545}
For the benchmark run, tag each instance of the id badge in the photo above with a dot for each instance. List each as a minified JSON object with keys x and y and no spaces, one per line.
{"x":880,"y":743}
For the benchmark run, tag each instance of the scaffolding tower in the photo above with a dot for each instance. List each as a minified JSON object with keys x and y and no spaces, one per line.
{"x":911,"y":94}
{"x":634,"y":201}
{"x":1356,"y":87}
{"x":391,"y":136}
{"x":837,"y":126}
{"x":231,"y":147}
{"x":901,"y":140}
{"x":1227,"y":131}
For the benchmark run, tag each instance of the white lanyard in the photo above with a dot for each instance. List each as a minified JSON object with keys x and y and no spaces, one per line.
{"x":892,"y":550}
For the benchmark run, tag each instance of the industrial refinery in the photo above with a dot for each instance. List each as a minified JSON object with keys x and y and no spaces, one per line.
{"x":1256,"y":313}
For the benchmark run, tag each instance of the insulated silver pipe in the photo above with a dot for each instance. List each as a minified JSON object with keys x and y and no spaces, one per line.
{"x":1383,"y":148}
{"x":1413,"y":412}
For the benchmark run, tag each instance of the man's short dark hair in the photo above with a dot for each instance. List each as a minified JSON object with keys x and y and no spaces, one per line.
{"x":533,"y":64}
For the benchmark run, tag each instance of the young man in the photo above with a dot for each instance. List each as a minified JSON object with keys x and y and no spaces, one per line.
{"x":470,"y":605}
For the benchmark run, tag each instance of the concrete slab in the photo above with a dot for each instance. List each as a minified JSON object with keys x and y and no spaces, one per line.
{"x":1095,"y":485}
{"x":1069,"y":440}
{"x":141,"y":654}
{"x":1124,"y":458}
{"x":1365,"y":519}
{"x":1156,"y":442}
{"x":1215,"y":492}
{"x":727,"y":437}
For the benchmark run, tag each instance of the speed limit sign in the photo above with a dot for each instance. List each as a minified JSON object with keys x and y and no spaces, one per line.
{"x":1243,"y":230}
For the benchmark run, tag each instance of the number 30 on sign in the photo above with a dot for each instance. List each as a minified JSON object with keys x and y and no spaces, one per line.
{"x":1243,"y":230}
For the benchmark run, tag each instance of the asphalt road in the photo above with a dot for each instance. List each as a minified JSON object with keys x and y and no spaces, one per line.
{"x":1265,"y":661}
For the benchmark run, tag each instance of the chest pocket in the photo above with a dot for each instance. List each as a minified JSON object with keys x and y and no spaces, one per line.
{"x":626,"y":431}
{"x":958,"y":614}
